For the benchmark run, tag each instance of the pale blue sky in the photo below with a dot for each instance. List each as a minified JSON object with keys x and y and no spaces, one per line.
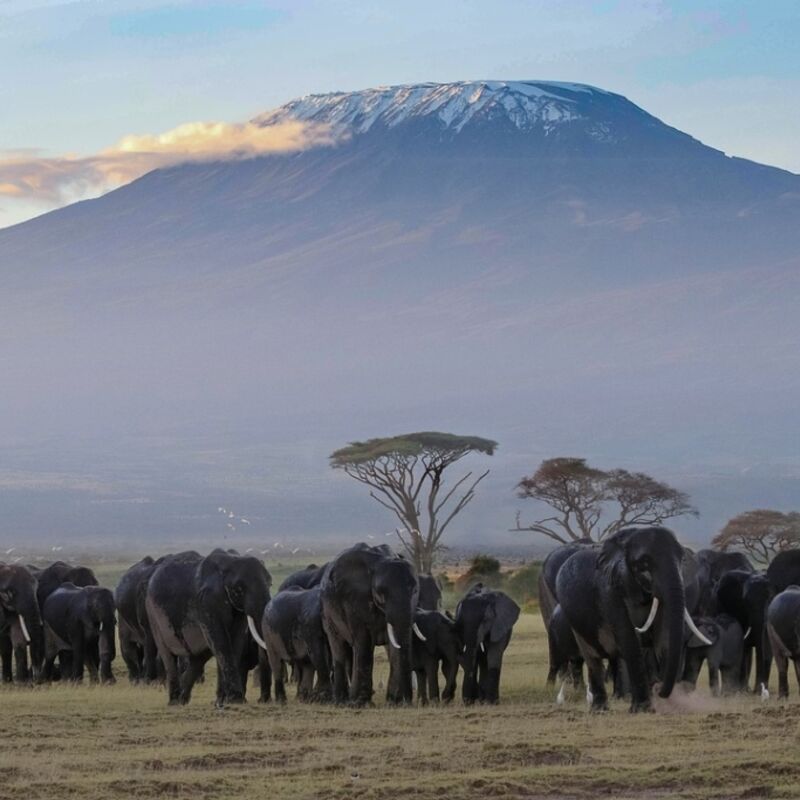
{"x":77,"y":76}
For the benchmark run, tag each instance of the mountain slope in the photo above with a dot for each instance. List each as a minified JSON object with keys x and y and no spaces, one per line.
{"x":542,"y":263}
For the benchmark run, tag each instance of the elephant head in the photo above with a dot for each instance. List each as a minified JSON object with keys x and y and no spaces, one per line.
{"x":643,"y":568}
{"x":242,"y":582}
{"x":18,"y":601}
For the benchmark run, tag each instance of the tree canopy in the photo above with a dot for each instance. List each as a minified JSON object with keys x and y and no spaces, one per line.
{"x":406,"y":475}
{"x":591,"y":503}
{"x":761,"y":533}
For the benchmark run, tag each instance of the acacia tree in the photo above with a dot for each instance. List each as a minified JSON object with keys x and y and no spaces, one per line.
{"x":406,"y":475}
{"x":591,"y":503}
{"x":761,"y":533}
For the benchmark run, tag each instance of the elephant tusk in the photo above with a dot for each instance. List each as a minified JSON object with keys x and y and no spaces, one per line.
{"x":254,"y":633}
{"x":651,"y":616}
{"x":101,"y":627}
{"x":483,"y":647}
{"x":24,"y":628}
{"x":747,"y":633}
{"x":589,"y":696}
{"x":392,"y":637}
{"x":418,"y":632}
{"x":693,"y":628}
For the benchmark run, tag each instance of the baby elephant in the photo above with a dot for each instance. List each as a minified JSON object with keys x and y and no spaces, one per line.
{"x":566,"y":661}
{"x":783,"y":618}
{"x":441,"y":646}
{"x":724,"y":654}
{"x":81,"y":620}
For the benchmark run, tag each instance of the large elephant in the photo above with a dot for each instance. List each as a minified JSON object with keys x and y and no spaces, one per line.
{"x":783,"y":626}
{"x":626,"y":598}
{"x":82,"y":621}
{"x":784,"y":570}
{"x":724,"y":655}
{"x":293,"y":633}
{"x":305,"y":578}
{"x":59,"y":573}
{"x":746,"y":597}
{"x":549,"y":572}
{"x":369,"y":596}
{"x":203,"y":607}
{"x":440,"y":647}
{"x":711,"y":566}
{"x":21,"y":624}
{"x":136,"y":642}
{"x":484,"y":621}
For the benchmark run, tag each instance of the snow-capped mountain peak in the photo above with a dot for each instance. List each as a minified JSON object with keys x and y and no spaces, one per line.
{"x":526,"y":104}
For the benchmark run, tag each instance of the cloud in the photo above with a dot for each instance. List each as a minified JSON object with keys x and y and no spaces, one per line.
{"x":29,"y":176}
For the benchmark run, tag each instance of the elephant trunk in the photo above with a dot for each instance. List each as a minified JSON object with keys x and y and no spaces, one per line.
{"x":670,"y":588}
{"x":399,"y":632}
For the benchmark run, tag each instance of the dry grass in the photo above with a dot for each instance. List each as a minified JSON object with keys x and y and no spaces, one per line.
{"x":122,"y":742}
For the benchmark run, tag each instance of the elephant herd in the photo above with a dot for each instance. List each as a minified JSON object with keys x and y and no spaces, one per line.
{"x":642,"y":612}
{"x":175,"y":613}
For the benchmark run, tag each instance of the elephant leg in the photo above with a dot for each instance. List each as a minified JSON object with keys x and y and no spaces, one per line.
{"x":363,"y":661}
{"x":341,"y":667}
{"x":229,"y":676}
{"x":22,"y":674}
{"x":575,"y":668}
{"x":78,"y":656}
{"x":130,"y":652}
{"x":449,"y":671}
{"x":152,"y":669}
{"x":596,"y":674}
{"x":6,"y":657}
{"x":306,"y":686}
{"x":264,"y":677}
{"x":796,"y":662}
{"x":432,"y":674}
{"x":747,"y":663}
{"x":169,"y":662}
{"x":193,"y":669}
{"x":713,"y":680}
{"x":782,"y":665}
{"x":422,"y":686}
{"x":320,"y":660}
{"x":494,"y":665}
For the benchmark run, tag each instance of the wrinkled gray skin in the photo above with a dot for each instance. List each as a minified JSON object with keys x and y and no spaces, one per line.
{"x":484,"y":621}
{"x":430,"y":592}
{"x":136,"y":642}
{"x":441,"y":648}
{"x":18,"y":597}
{"x":198,"y":607}
{"x":82,"y":621}
{"x":724,"y":655}
{"x":784,"y":570}
{"x":607,"y":594}
{"x":566,"y":661}
{"x":547,"y":577}
{"x":783,"y":627}
{"x":293,"y":632}
{"x":364,"y":590}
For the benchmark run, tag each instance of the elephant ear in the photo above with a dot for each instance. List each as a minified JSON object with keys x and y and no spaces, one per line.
{"x":611,"y":558}
{"x":506,"y":613}
{"x":210,"y":574}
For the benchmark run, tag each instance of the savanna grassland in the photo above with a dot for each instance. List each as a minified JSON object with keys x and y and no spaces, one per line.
{"x":103,"y":743}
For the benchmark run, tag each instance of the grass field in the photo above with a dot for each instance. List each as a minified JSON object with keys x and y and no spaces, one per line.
{"x":121,"y":742}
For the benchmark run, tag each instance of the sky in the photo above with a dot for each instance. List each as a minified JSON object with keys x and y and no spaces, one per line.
{"x":85,"y":77}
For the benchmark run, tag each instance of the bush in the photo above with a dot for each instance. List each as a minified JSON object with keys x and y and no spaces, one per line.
{"x":523,"y":584}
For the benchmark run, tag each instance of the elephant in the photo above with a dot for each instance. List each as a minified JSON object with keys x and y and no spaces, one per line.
{"x":136,"y":642}
{"x":711,"y":566}
{"x":724,"y":655}
{"x":293,"y":633}
{"x":58,"y":573}
{"x":784,"y":570}
{"x":783,"y":627}
{"x":484,"y":621}
{"x":21,"y":625}
{"x":625,"y":599}
{"x":369,"y":596}
{"x":199,"y":607}
{"x":430,"y":592}
{"x":82,"y":621}
{"x":566,"y":660}
{"x":304,"y":578}
{"x":746,"y":597}
{"x":441,"y":646}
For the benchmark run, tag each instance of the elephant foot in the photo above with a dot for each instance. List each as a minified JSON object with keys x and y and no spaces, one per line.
{"x":641,"y":707}
{"x":264,"y":698}
{"x":599,"y":707}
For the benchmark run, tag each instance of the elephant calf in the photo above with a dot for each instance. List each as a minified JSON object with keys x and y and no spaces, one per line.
{"x":440,"y":646}
{"x":81,"y":620}
{"x":566,"y":661}
{"x":724,"y":655}
{"x":293,"y":633}
{"x":783,"y":627}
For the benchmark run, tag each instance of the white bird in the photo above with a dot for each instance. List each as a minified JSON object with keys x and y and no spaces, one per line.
{"x":244,"y":521}
{"x":232,"y":527}
{"x":15,"y":560}
{"x":589,"y":696}
{"x":391,"y":533}
{"x":370,"y":536}
{"x":264,"y":552}
{"x":560,"y":695}
{"x":10,"y":550}
{"x":221,"y":510}
{"x":231,"y":515}
{"x":295,"y":551}
{"x":249,"y":550}
{"x":764,"y":693}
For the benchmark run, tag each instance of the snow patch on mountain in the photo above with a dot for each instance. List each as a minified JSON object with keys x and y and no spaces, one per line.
{"x":526,"y":104}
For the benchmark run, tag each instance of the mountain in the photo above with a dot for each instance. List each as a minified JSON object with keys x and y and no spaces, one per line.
{"x":545,"y":264}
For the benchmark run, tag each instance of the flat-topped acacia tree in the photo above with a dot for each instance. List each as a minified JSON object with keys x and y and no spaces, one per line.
{"x":406,"y":475}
